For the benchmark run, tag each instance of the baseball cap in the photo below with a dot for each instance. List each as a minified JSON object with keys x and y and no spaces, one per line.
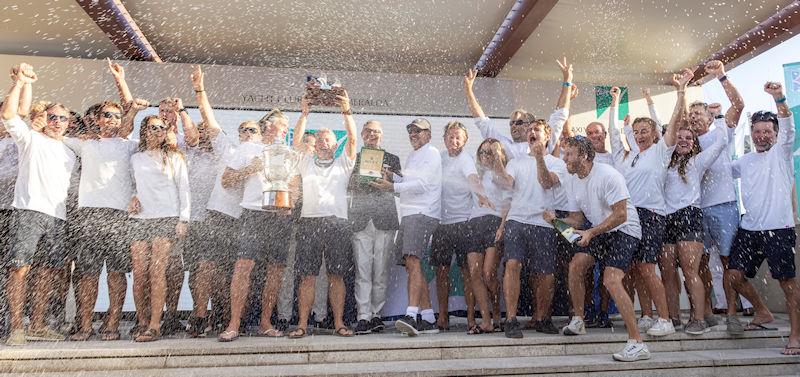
{"x":420,"y":123}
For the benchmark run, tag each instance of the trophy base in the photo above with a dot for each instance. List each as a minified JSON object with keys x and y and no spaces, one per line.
{"x":276,"y":200}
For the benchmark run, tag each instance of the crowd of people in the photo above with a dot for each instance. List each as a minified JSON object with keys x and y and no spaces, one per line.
{"x":78,"y":193}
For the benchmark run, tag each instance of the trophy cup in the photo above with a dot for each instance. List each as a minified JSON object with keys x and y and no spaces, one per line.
{"x":280,"y":162}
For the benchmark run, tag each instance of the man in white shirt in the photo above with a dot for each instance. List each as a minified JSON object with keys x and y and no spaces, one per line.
{"x":323,"y":231}
{"x":40,"y":193}
{"x":767,"y":227}
{"x":420,"y":190}
{"x":597,"y":193}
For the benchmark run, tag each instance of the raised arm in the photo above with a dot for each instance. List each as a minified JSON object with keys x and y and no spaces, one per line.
{"x":651,"y":107}
{"x":206,"y":112}
{"x":11,"y":103}
{"x":349,"y":126}
{"x":300,"y":126}
{"x":716,"y":68}
{"x":707,"y":156}
{"x":118,"y":72}
{"x":190,"y":134}
{"x":545,"y":177}
{"x":615,"y":134}
{"x":130,"y":109}
{"x":679,"y":113}
{"x":26,"y":98}
{"x":472,"y":101}
{"x":566,"y":86}
{"x":786,"y":129}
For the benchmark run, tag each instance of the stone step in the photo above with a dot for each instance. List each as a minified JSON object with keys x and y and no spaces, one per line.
{"x":729,"y":363}
{"x":326,"y":350}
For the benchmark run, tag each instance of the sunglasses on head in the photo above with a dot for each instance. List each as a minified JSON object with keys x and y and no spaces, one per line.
{"x":249,"y":130}
{"x":518,"y":122}
{"x":371,"y":131}
{"x":111,"y":114}
{"x":57,"y":118}
{"x":158,"y":127}
{"x":485,"y":152}
{"x":764,"y":116}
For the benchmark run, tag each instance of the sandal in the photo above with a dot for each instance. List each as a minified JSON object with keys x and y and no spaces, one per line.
{"x":150,"y":335}
{"x":344,"y":332}
{"x":271,"y":333}
{"x":81,"y":336}
{"x":228,"y":336}
{"x":498,"y":327}
{"x":109,"y":335}
{"x":475,"y":330}
{"x":298,"y":333}
{"x":757,"y":327}
{"x":791,"y":351}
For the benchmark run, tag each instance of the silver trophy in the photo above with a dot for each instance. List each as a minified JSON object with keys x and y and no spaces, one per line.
{"x":280,"y":162}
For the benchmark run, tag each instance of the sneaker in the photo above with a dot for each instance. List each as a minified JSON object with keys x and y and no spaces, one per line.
{"x":513,"y":329}
{"x":696,"y":328}
{"x":17,"y":338}
{"x":662,"y":327}
{"x":711,"y":321}
{"x":603,"y":322}
{"x":170,"y":326}
{"x":735,"y":327}
{"x":407,"y":325}
{"x":633,"y":351}
{"x":377,"y":325}
{"x":645,"y":323}
{"x":363,"y":327}
{"x":282,"y":325}
{"x":676,"y":323}
{"x":575,"y":327}
{"x":45,"y":334}
{"x":545,"y":327}
{"x":425,"y":327}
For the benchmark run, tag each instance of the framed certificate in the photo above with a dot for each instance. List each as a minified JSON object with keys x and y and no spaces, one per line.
{"x":370,"y":164}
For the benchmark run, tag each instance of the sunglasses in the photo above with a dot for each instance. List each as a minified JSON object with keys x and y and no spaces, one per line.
{"x":635,"y":159}
{"x":764,"y":116}
{"x":518,"y":122}
{"x":156,"y":127}
{"x":110,"y":114}
{"x":249,"y":130}
{"x":371,"y":131}
{"x":57,"y":118}
{"x":485,"y":152}
{"x":414,"y":130}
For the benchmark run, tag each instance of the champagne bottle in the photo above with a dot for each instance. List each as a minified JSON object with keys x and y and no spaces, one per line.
{"x":566,"y":230}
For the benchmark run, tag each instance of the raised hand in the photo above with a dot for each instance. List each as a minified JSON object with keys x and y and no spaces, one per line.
{"x":566,"y":69}
{"x":683,"y":78}
{"x":615,"y":93}
{"x":138,"y":104}
{"x":647,"y":96}
{"x":344,"y":102}
{"x":25,"y":73}
{"x":775,"y":89}
{"x":538,"y":148}
{"x":716,"y":68}
{"x":197,"y":78}
{"x":178,"y":103}
{"x":574,"y":92}
{"x":305,"y":105}
{"x":715,"y":109}
{"x":134,"y":206}
{"x":469,"y":79}
{"x":116,"y":70}
{"x":627,"y":120}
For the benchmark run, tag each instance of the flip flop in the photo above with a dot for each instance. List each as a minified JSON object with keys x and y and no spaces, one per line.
{"x":791,"y":351}
{"x":151,"y":335}
{"x":344,"y":332}
{"x":81,"y":336}
{"x":476,"y":330}
{"x":758,"y":327}
{"x":228,"y":336}
{"x":298,"y":333}
{"x":109,"y":335}
{"x":271,"y":333}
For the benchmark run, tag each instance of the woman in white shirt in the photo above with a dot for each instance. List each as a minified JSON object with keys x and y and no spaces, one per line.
{"x":161,"y":210}
{"x":486,"y":225}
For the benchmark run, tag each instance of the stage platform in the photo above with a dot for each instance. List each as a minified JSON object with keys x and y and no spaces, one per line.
{"x":757,"y":353}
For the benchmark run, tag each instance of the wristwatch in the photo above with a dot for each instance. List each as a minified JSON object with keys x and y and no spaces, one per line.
{"x":719,"y":116}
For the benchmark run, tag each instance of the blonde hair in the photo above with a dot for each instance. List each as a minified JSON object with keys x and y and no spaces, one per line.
{"x":272,"y":116}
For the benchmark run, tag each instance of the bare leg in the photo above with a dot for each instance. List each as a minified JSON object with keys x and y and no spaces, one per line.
{"x":336,"y":295}
{"x":200,"y":285}
{"x":269,"y":296}
{"x":117,"y":286}
{"x":86,"y":298}
{"x":478,"y":284}
{"x":544,"y":296}
{"x":792,"y":292}
{"x":17,"y":294}
{"x":577,"y":280}
{"x":442,"y":295}
{"x":612,"y":279}
{"x":140,"y":259}
{"x":240,"y":290}
{"x":653,"y":284}
{"x":689,"y":256}
{"x":669,"y":276}
{"x":469,"y":296}
{"x":740,"y":284}
{"x":511,"y":287}
{"x":490,"y":264}
{"x":306,"y":300}
{"x":161,"y":248}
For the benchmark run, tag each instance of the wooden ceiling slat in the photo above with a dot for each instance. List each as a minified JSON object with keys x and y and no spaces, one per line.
{"x":115,"y":21}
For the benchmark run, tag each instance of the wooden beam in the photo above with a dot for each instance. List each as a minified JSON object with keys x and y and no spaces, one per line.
{"x":115,"y":21}
{"x":777,"y":28}
{"x":523,"y":18}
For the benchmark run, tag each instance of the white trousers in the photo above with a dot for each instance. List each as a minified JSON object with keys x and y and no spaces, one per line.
{"x":372,"y":248}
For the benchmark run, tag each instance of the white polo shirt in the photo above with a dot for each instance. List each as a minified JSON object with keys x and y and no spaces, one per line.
{"x":457,"y":200}
{"x":529,"y":199}
{"x":105,"y":180}
{"x":162,"y":185}
{"x":420,"y":187}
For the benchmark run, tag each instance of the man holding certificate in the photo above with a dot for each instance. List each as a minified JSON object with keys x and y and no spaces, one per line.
{"x":373,"y":216}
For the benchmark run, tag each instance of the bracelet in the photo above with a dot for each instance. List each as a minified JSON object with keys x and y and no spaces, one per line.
{"x":199,"y":91}
{"x":347,"y":112}
{"x":719,"y":116}
{"x":722,"y":78}
{"x":780,"y":100}
{"x":566,"y":84}
{"x":680,"y":91}
{"x":182,"y":109}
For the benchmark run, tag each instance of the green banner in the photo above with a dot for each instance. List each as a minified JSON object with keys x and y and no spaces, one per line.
{"x":603,"y":100}
{"x":792,"y":87}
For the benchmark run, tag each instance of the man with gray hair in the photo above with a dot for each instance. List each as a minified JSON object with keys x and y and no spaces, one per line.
{"x":373,"y":218}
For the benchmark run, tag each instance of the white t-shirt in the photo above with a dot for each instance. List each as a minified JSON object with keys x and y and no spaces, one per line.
{"x":456,"y":193}
{"x":9,"y":158}
{"x":717,"y":186}
{"x":767,"y":180}
{"x":44,"y":170}
{"x":420,"y":187}
{"x":325,"y":188}
{"x":594,"y":194}
{"x":254,"y":185}
{"x":224,"y":200}
{"x":529,"y":199}
{"x":204,"y":169}
{"x":105,"y":180}
{"x":679,"y":194}
{"x":500,"y":197}
{"x":161,"y":186}
{"x":514,"y":149}
{"x":604,"y":158}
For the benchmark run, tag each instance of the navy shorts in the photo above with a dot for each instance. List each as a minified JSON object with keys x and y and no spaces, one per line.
{"x":37,"y":239}
{"x":483,"y":231}
{"x":750,"y":248}
{"x":533,"y":245}
{"x":451,"y":240}
{"x":103,"y":237}
{"x":264,"y":236}
{"x":653,"y":226}
{"x":327,"y":238}
{"x":213,"y":239}
{"x":613,"y":249}
{"x":685,"y":225}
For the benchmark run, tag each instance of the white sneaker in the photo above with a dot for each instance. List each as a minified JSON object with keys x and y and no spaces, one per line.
{"x":645,"y":323}
{"x":661,"y":327}
{"x":633,"y":351}
{"x":575,"y":327}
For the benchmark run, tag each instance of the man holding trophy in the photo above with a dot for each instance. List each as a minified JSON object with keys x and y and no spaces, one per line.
{"x":323,"y":230}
